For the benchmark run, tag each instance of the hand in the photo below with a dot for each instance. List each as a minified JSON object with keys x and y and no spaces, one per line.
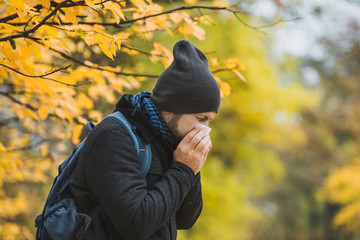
{"x":194,"y":148}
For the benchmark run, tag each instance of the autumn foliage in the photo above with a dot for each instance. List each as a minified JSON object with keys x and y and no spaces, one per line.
{"x":285,"y":159}
{"x":62,"y":63}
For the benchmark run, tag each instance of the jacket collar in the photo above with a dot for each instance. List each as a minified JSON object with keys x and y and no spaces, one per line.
{"x":143,"y":125}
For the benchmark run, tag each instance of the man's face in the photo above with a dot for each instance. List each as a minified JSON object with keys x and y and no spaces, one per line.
{"x":181,"y":124}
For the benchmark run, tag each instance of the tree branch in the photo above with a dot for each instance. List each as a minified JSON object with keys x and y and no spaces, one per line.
{"x":7,"y":121}
{"x":26,"y":33}
{"x":183,"y":8}
{"x":139,"y":19}
{"x":7,"y":95}
{"x":8,"y":18}
{"x":257,"y":28}
{"x":44,"y":75}
{"x":101,"y":68}
{"x":141,"y":51}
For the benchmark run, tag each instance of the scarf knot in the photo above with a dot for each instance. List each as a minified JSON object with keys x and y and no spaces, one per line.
{"x":142,"y":103}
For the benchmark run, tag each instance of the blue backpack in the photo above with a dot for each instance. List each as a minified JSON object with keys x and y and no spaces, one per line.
{"x":60,"y":219}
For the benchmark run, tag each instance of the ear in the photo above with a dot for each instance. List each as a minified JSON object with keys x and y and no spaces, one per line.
{"x":166,"y":115}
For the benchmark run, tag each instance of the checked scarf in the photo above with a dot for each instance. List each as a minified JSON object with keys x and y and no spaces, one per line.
{"x":142,"y":103}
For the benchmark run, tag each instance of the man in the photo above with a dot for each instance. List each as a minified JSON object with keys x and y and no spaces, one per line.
{"x":174,"y":120}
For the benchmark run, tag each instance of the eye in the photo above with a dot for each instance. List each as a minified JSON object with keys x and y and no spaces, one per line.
{"x":202,"y":119}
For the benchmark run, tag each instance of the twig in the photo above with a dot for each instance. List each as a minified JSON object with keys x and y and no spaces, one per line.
{"x":140,"y":19}
{"x":101,"y":68}
{"x":26,"y":33}
{"x":141,"y":51}
{"x":235,"y":12}
{"x":44,"y":75}
{"x":257,"y":28}
{"x":223,"y":70}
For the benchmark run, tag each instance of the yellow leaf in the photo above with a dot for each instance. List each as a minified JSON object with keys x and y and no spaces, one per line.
{"x":116,"y":9}
{"x":191,"y":2}
{"x":10,"y":27}
{"x":106,"y":51}
{"x":19,"y":4}
{"x":221,"y":3}
{"x":186,"y":29}
{"x":176,"y":17}
{"x":90,"y":3}
{"x":2,"y":148}
{"x":82,"y":120}
{"x":237,"y":73}
{"x":46,"y":44}
{"x":18,"y":162}
{"x":84,"y":101}
{"x":99,"y":28}
{"x":60,"y":113}
{"x":26,"y":51}
{"x":225,"y":89}
{"x":89,"y":40}
{"x":19,"y":111}
{"x":44,"y":150}
{"x":76,"y":134}
{"x":234,"y":63}
{"x":31,"y":114}
{"x":161,"y":23}
{"x":199,"y":33}
{"x":118,"y":43}
{"x":102,"y":38}
{"x":113,"y":48}
{"x":70,"y":15}
{"x":122,"y":35}
{"x":46,"y":3}
{"x":43,"y":112}
{"x":214,"y":62}
{"x":31,"y":3}
{"x":165,"y":62}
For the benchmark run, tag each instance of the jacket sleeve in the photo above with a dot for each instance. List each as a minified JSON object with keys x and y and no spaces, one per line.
{"x":114,"y":177}
{"x":191,"y":207}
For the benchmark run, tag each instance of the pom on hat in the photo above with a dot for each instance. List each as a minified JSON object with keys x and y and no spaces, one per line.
{"x":187,"y":85}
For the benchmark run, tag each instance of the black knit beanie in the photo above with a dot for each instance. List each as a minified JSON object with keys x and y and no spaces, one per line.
{"x":187,"y":85}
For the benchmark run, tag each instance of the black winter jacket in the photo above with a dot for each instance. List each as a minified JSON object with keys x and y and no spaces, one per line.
{"x":134,"y":207}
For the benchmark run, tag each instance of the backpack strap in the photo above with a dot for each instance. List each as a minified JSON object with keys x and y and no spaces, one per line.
{"x":142,"y":149}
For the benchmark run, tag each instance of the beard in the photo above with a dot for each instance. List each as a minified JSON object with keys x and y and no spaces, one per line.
{"x":173,"y":129}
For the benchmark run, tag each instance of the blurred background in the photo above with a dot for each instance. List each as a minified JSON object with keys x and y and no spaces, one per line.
{"x":285,"y":163}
